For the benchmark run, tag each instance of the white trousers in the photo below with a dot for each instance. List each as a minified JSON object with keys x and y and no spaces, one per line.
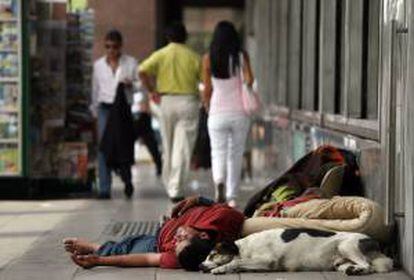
{"x":228,"y":133}
{"x":179,"y":124}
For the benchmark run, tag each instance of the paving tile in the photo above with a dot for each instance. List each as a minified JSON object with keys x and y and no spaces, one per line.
{"x":33,"y":223}
{"x":36,"y":272}
{"x":165,"y":274}
{"x":28,"y":237}
{"x":179,"y":274}
{"x":233,"y":276}
{"x":45,"y":254}
{"x":282,"y":276}
{"x":12,"y":248}
{"x":110,"y":273}
{"x":4,"y":220}
{"x":40,"y":207}
{"x":395,"y":275}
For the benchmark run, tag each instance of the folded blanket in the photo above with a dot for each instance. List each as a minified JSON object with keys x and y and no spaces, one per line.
{"x":310,"y":172}
{"x":353,"y":214}
{"x":276,"y":209}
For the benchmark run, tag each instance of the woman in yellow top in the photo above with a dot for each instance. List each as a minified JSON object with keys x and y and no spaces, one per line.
{"x":176,"y":69}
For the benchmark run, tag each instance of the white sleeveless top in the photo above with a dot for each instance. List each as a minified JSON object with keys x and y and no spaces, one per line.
{"x":226,"y":96}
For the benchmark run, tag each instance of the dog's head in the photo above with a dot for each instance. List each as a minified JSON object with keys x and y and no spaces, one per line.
{"x":223,"y":253}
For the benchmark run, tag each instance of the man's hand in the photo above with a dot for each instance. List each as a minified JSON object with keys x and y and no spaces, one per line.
{"x":155,"y":97}
{"x":206,"y":106}
{"x":144,"y":106}
{"x":85,"y":261}
{"x":128,"y":83}
{"x":184,"y":205}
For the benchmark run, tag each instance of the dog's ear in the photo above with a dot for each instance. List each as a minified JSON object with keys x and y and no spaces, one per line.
{"x":228,"y":247}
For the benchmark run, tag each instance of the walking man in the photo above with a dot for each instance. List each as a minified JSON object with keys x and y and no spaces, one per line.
{"x":176,"y":69}
{"x":108,"y":72}
{"x":143,"y":130}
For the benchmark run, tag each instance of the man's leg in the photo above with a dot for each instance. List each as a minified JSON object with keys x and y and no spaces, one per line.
{"x":167,"y":124}
{"x":247,"y":173}
{"x":105,"y":179}
{"x":125,"y":174}
{"x":151,"y":142}
{"x":185,"y":134}
{"x":126,"y":177}
{"x":137,"y":129}
{"x":129,"y":245}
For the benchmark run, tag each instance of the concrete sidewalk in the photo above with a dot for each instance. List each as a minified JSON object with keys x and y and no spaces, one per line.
{"x":31,"y":234}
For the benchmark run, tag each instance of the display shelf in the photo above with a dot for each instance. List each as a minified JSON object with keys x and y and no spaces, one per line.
{"x":8,"y":51}
{"x":9,"y":80}
{"x":52,"y":1}
{"x":9,"y":141}
{"x":10,"y":88}
{"x":8,"y":111}
{"x":79,"y":121}
{"x":7,"y":174}
{"x":16,"y":20}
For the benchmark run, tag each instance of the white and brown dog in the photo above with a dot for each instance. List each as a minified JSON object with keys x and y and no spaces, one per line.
{"x":299,"y":250}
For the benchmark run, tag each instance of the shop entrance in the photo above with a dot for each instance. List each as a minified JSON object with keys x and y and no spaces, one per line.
{"x":199,"y":17}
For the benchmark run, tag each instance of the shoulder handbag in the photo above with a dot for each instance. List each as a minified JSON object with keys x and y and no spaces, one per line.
{"x":250,"y":97}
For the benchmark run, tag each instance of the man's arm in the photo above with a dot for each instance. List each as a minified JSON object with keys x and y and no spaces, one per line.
{"x":134,"y":260}
{"x":147,"y":83}
{"x":95,"y":91}
{"x":188,"y":203}
{"x":136,"y":83}
{"x":131,"y":260}
{"x":147,"y":70}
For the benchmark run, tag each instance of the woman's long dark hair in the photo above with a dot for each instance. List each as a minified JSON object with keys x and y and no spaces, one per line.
{"x":225,"y":50}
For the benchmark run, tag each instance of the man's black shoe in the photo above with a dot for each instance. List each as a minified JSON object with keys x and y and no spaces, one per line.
{"x":129,"y":190}
{"x":104,"y":196}
{"x":158,"y":172}
{"x":176,"y":199}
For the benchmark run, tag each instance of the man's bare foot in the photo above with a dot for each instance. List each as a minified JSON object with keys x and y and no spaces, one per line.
{"x":79,"y":246}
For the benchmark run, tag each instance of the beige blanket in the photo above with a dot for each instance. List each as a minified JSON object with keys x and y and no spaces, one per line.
{"x":354,"y":214}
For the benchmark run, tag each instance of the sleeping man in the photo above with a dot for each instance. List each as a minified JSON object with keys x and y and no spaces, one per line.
{"x":196,"y":224}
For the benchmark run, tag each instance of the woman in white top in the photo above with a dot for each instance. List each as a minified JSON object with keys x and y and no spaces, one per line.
{"x":228,"y":124}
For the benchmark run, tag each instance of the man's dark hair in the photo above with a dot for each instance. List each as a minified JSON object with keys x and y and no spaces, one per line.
{"x":176,"y":32}
{"x":114,"y":36}
{"x":195,"y":253}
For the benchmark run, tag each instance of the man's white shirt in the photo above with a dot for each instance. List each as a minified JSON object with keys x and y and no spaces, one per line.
{"x":105,"y":81}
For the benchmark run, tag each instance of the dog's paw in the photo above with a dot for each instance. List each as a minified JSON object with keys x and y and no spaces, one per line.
{"x":218,"y":270}
{"x":356,"y":270}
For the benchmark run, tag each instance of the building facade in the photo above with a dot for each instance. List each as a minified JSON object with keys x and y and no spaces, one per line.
{"x":137,"y":21}
{"x":339,"y":72}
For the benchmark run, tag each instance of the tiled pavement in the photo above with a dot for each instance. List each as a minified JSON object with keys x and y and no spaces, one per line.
{"x":31,"y":234}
